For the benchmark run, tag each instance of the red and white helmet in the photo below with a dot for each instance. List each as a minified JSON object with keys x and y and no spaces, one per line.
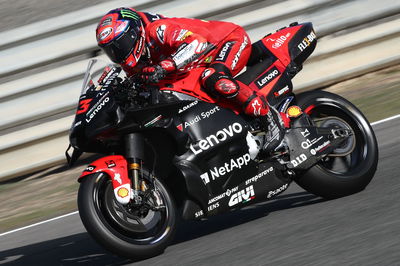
{"x":120,"y":33}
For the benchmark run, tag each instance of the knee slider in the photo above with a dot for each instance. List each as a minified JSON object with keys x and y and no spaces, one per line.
{"x":219,"y":84}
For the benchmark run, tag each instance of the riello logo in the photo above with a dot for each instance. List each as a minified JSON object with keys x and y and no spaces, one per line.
{"x":242,"y":196}
{"x":217,"y":137}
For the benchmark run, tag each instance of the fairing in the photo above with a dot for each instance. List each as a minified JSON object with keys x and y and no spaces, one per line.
{"x":115,"y":166}
{"x":277,"y":58}
{"x":219,"y":162}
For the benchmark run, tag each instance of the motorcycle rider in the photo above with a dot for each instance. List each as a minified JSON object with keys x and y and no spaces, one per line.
{"x":155,"y":46}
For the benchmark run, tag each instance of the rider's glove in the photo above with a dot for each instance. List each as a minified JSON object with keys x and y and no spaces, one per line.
{"x":154,"y":74}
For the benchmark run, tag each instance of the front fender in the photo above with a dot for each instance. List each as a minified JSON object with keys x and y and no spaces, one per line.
{"x":116,"y":167}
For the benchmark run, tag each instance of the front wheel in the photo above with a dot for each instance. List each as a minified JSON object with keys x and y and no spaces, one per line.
{"x":350,"y":167}
{"x":130,"y":231}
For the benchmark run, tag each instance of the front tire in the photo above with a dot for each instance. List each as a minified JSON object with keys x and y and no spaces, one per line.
{"x":124,"y":230}
{"x":340,"y":175}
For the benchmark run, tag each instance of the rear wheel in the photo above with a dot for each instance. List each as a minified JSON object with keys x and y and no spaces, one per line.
{"x":131,"y":231}
{"x":350,"y":167}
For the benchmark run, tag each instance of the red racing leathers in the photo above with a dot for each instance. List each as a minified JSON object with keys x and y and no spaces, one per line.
{"x":181,"y":44}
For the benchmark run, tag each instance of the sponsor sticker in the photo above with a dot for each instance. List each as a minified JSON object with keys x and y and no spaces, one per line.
{"x":183,"y":34}
{"x":308,"y":143}
{"x":242,"y":196}
{"x":97,"y":108}
{"x":320,"y":148}
{"x":223,"y":54}
{"x":228,"y":167}
{"x":307,"y":41}
{"x":277,"y":191}
{"x":241,"y":48}
{"x":282,"y":91}
{"x":216,"y":138}
{"x":123,"y":192}
{"x":202,"y":116}
{"x":305,"y":133}
{"x":258,"y":176}
{"x":117,"y":177}
{"x":198,"y":214}
{"x":185,"y":53}
{"x":127,"y":13}
{"x":256,"y":107}
{"x":160,"y":33}
{"x":294,"y":111}
{"x":110,"y":164}
{"x":280,"y":40}
{"x":121,"y":27}
{"x":105,"y":33}
{"x":213,"y":206}
{"x":227,"y":193}
{"x":106,"y":22}
{"x":186,"y":107}
{"x":299,"y":160}
{"x":267,"y":77}
{"x":139,"y":46}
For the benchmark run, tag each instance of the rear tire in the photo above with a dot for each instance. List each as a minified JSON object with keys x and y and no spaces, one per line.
{"x":118,"y":228}
{"x":339,"y":176}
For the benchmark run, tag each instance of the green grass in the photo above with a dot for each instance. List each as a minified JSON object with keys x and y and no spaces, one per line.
{"x":380,"y":104}
{"x":35,"y":200}
{"x":376,"y":94}
{"x":37,"y":215}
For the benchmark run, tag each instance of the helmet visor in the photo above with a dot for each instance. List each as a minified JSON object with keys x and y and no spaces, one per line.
{"x":119,"y":49}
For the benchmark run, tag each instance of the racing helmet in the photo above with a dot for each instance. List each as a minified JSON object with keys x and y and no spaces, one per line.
{"x":120,"y":34}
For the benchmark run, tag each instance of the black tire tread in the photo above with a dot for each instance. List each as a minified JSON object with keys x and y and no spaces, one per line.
{"x":328,"y":185}
{"x":106,"y":238}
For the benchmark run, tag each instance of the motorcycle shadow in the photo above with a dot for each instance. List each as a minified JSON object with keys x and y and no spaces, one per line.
{"x":81,"y":249}
{"x":77,"y":249}
{"x":189,"y":230}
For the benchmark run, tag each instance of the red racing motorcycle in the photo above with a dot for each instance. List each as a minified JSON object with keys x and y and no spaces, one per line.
{"x":170,"y":151}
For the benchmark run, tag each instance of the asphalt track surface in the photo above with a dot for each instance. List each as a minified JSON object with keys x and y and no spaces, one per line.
{"x":296,"y":228}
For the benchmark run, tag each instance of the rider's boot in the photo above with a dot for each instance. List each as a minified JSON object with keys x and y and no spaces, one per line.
{"x":274,"y":128}
{"x":272,"y":122}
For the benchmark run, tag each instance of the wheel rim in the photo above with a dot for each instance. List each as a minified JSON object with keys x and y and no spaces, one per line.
{"x":355,"y":159}
{"x":348,"y":144}
{"x":124,"y":221}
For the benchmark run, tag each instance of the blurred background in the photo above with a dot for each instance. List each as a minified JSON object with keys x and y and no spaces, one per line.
{"x":45,"y":46}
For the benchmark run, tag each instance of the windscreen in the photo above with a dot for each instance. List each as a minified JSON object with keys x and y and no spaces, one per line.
{"x":97,"y":73}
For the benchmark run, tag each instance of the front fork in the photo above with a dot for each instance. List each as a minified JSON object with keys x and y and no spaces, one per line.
{"x":125,"y":172}
{"x":134,"y":144}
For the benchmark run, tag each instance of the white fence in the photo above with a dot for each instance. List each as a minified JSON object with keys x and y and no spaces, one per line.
{"x":357,"y":36}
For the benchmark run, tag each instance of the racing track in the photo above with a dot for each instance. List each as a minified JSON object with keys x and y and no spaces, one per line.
{"x":295,"y":229}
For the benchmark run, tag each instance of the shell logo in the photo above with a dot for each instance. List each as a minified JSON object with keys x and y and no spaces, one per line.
{"x":294,"y":111}
{"x":123,"y":192}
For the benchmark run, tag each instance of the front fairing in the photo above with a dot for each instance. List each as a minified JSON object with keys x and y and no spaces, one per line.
{"x":101,"y":119}
{"x":97,"y":112}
